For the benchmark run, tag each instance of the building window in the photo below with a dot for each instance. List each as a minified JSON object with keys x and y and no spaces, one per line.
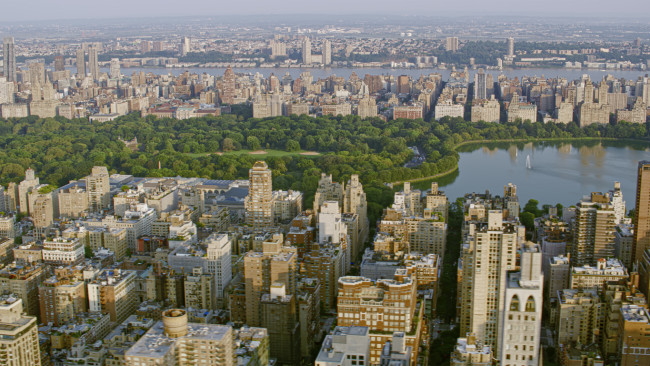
{"x":530,"y":304}
{"x":514,"y":303}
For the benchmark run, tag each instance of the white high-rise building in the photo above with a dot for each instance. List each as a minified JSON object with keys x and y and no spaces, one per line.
{"x":330,"y":226}
{"x":306,"y":51}
{"x":617,"y":202}
{"x":521,"y":318}
{"x":115,"y":68}
{"x":185,"y":46}
{"x":331,"y":229}
{"x":219,"y":261}
{"x":327,"y":52}
{"x":489,"y":253}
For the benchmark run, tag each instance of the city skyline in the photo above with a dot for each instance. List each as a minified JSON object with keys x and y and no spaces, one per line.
{"x":300,"y":185}
{"x":43,"y":10}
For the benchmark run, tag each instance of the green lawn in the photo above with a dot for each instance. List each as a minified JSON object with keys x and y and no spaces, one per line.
{"x":269,"y":153}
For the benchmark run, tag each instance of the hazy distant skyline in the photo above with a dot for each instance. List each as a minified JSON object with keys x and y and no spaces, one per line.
{"x":92,"y":9}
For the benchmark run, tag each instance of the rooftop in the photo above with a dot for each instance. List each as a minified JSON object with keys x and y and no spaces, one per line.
{"x":635,"y":313}
{"x":156,"y":344}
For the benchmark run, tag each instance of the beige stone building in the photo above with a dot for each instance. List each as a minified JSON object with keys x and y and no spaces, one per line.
{"x":342,"y":109}
{"x":523,"y":111}
{"x":638,"y":113}
{"x":73,"y":201}
{"x":297,"y":109}
{"x":113,"y":292}
{"x":23,"y":283}
{"x":354,"y":202}
{"x":18,"y":335}
{"x":590,"y":113}
{"x":614,"y":295}
{"x":564,"y":113}
{"x":199,"y":290}
{"x":61,"y":299}
{"x":8,"y":226}
{"x":580,"y":314}
{"x":486,"y":257}
{"x":259,"y":202}
{"x":594,"y":228}
{"x":98,"y":189}
{"x":63,"y":251}
{"x":487,"y":110}
{"x":597,"y":276}
{"x":367,"y":108}
{"x":384,"y":306}
{"x":641,"y":240}
{"x":275,"y":263}
{"x":634,"y":328}
{"x":174,"y":341}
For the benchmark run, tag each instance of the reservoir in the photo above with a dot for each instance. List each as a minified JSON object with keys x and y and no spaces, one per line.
{"x":558,"y":172}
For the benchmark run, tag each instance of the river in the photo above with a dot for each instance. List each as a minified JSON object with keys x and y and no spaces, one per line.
{"x":560,"y":172}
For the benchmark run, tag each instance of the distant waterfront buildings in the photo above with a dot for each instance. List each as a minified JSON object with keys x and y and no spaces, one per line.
{"x":451,"y":44}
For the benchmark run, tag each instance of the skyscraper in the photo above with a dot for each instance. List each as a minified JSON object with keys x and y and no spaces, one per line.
{"x":511,"y":46}
{"x":593,"y":236}
{"x":354,"y":202}
{"x":259,"y":205}
{"x":9,"y":55}
{"x":115,"y":68}
{"x":327,"y":52}
{"x":228,"y":87}
{"x":487,"y":256}
{"x":98,"y":189}
{"x":93,"y":64}
{"x":480,"y":85}
{"x":185,"y":46}
{"x":81,"y":63}
{"x":306,"y":51}
{"x":59,"y":63}
{"x":25,"y":187}
{"x":642,"y":211}
{"x":279,"y":316}
{"x":275,"y":263}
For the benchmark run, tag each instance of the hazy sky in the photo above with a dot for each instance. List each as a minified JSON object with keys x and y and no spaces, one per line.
{"x":20,"y":10}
